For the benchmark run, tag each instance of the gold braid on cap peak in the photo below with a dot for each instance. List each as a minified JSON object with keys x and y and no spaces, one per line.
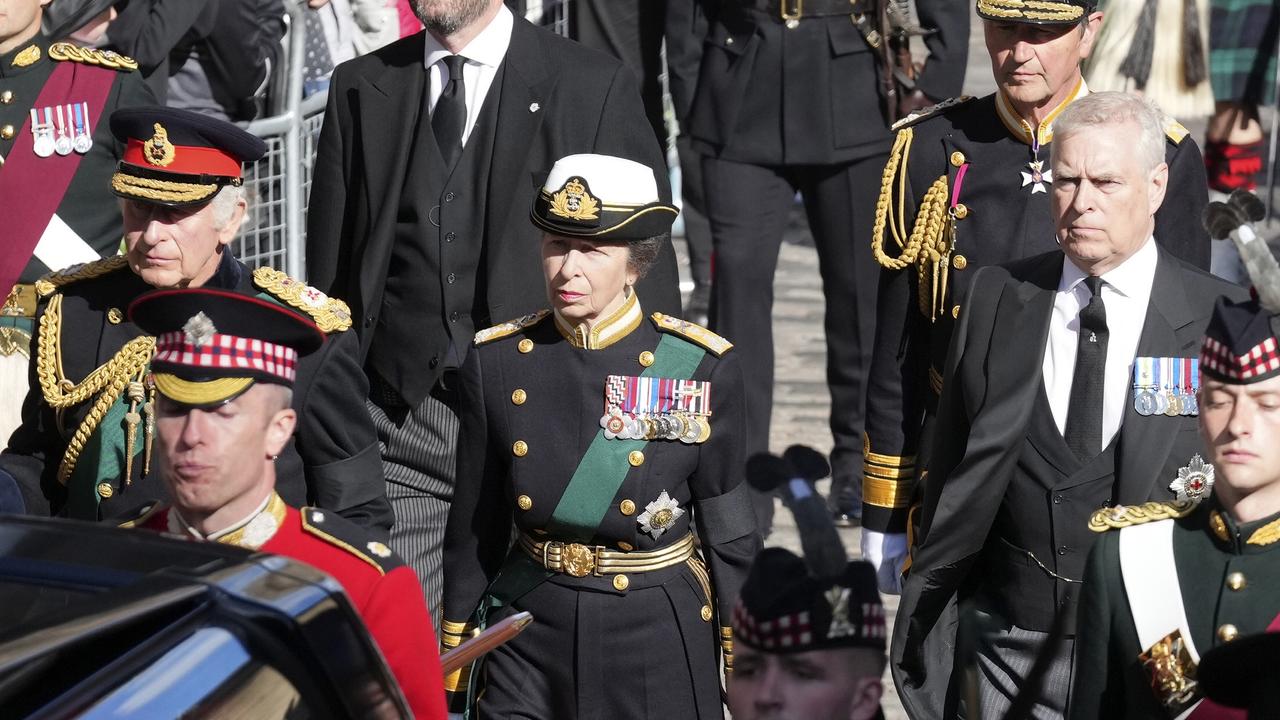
{"x":929,"y":244}
{"x":161,"y":190}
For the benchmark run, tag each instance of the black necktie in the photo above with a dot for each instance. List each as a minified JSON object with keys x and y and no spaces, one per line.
{"x":1084,"y":414}
{"x":450,"y":115}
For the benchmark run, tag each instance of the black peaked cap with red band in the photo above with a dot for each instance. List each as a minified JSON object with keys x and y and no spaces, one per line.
{"x":1241,"y":344}
{"x":177,"y":157}
{"x":212,"y":345}
{"x":783,"y":609}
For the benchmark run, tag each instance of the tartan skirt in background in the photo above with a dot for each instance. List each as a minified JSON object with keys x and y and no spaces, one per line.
{"x":1242,"y":50}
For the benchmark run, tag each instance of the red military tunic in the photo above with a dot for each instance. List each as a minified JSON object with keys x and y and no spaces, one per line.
{"x":383,"y":590}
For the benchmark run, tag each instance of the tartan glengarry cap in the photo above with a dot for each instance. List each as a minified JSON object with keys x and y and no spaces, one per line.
{"x":1240,"y":345}
{"x":1036,"y":12}
{"x":212,"y":345}
{"x":601,"y":196}
{"x":177,"y":157}
{"x":784,"y":609}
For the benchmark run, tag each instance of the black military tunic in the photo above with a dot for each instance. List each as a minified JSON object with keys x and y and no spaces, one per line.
{"x":1229,"y":574}
{"x":628,"y":645}
{"x":88,"y":207}
{"x":967,"y":167}
{"x":74,"y":461}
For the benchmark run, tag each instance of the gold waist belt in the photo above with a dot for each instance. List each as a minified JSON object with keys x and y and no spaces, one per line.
{"x":582,"y":560}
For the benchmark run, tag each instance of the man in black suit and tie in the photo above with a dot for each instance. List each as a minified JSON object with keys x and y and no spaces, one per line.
{"x":432,"y":150}
{"x":1066,"y":390}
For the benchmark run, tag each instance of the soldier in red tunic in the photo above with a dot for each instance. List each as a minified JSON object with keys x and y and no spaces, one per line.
{"x":223,"y":371}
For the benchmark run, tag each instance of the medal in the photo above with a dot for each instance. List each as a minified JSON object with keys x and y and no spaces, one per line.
{"x":82,"y":142}
{"x":1144,"y":402}
{"x":1194,"y":481}
{"x":1173,"y":392}
{"x":654,"y":408}
{"x":62,"y":143}
{"x":43,"y":132}
{"x":1038,"y":175}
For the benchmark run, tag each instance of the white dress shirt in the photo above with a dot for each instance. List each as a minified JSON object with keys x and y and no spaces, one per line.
{"x":1126,"y":291}
{"x":483,"y":54}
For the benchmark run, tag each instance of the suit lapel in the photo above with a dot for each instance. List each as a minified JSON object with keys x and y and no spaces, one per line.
{"x":1145,"y":441}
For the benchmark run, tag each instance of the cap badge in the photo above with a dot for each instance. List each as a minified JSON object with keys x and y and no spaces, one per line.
{"x":28,"y":56}
{"x":838,"y":599}
{"x":199,"y":330}
{"x":575,"y":202}
{"x":158,"y":150}
{"x":660,"y":515}
{"x":1194,"y":481}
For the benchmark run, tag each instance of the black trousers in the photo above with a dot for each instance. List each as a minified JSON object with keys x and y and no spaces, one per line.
{"x":748,"y":206}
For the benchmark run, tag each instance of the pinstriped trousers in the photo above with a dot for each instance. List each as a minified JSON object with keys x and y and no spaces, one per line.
{"x":1004,"y":659}
{"x":419,"y":461}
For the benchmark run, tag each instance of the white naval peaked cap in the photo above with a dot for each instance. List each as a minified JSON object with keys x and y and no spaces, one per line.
{"x":590,"y":195}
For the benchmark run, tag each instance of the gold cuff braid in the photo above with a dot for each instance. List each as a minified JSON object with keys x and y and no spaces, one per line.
{"x":894,"y":494}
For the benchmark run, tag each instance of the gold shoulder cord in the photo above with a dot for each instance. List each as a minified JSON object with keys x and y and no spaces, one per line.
{"x":127,"y":368}
{"x":932,"y":235}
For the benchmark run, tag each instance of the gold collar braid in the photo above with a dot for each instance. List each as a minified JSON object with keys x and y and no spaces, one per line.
{"x":109,"y":380}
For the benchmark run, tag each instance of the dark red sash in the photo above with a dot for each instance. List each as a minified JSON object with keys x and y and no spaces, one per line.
{"x":33,"y":186}
{"x":1210,"y":710}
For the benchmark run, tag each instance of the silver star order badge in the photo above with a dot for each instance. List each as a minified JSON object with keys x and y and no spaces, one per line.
{"x":1037,"y":177}
{"x":1194,"y":481}
{"x":660,"y":515}
{"x":199,"y":329}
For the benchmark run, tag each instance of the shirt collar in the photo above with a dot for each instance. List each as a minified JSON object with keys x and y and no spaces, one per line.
{"x":1021,"y":129}
{"x":1132,"y":278}
{"x":606,"y":332}
{"x":487,"y":48}
{"x":251,"y":532}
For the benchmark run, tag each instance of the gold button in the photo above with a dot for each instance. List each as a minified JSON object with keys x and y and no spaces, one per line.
{"x":1237,"y":581}
{"x":957,"y":159}
{"x":636,"y":458}
{"x":518,"y":396}
{"x":520,"y":448}
{"x":105,"y":490}
{"x":955,"y":312}
{"x":625,"y":546}
{"x":706,"y":613}
{"x":959,"y":262}
{"x":1227,"y":633}
{"x":961,"y":211}
{"x":524,"y":502}
{"x":627,"y":507}
{"x":114,"y":316}
{"x":620,"y":582}
{"x":6,"y":97}
{"x":6,"y":132}
{"x":525,"y":346}
{"x":646,"y":358}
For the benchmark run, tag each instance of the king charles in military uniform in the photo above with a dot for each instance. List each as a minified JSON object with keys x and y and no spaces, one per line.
{"x":56,"y":156}
{"x":967,"y":185}
{"x":603,"y":433}
{"x":84,"y":447}
{"x":224,"y":369}
{"x":1168,"y":582}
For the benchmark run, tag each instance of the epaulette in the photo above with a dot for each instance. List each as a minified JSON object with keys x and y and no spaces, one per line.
{"x":46,"y":285}
{"x":692,"y":332}
{"x":330,"y":314}
{"x":140,"y":515}
{"x":65,"y":51}
{"x":1176,"y":131}
{"x":342,"y":533}
{"x":930,"y":111}
{"x":1123,"y":516}
{"x":511,"y":327}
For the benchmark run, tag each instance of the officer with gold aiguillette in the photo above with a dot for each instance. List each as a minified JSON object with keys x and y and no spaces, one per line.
{"x":56,"y":156}
{"x":605,"y":434}
{"x":84,"y":448}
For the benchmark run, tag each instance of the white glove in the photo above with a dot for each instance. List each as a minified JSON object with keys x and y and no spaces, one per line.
{"x":454,"y":716}
{"x":887,"y":552}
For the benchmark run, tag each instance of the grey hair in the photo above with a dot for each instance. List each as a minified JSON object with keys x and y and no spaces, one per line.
{"x":1113,"y":108}
{"x":224,"y":205}
{"x":641,"y":254}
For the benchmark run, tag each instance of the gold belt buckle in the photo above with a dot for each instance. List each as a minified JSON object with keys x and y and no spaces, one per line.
{"x":791,"y":16}
{"x":577,"y":560}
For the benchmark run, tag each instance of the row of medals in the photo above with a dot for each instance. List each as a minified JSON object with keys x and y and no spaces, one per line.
{"x":1157,"y":401}
{"x":46,"y":142}
{"x":685,"y":427}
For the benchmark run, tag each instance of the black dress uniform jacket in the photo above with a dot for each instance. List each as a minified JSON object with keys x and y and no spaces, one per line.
{"x":1229,"y":573}
{"x":998,"y":219}
{"x":88,"y":207}
{"x":332,"y":461}
{"x":649,"y":649}
{"x":994,"y":490}
{"x":556,"y":98}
